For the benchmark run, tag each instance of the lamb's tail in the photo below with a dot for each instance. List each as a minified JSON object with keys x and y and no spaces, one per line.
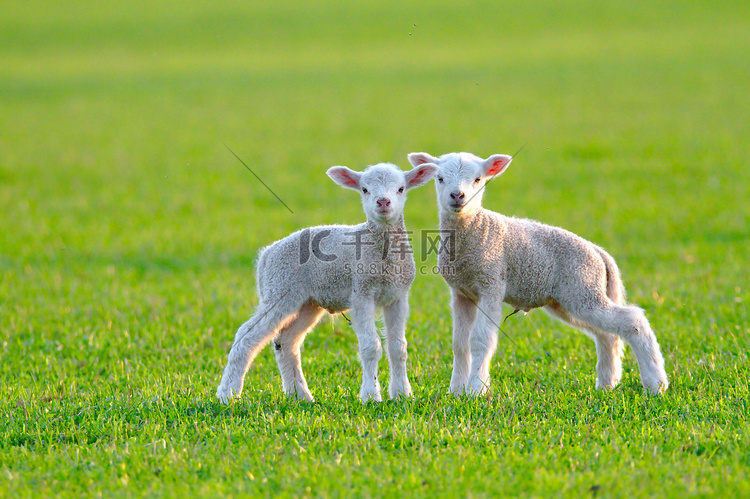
{"x":615,"y":287}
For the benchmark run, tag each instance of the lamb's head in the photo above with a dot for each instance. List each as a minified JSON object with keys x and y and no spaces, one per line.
{"x":461,"y":178}
{"x":383,"y":187}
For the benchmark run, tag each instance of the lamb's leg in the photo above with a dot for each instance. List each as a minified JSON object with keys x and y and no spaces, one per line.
{"x":609,"y":351}
{"x":464,"y":316}
{"x":609,"y":348}
{"x":631,"y":324}
{"x":395,"y":316}
{"x":483,"y":342}
{"x":287,"y":349}
{"x":250,"y":338}
{"x":370,"y":349}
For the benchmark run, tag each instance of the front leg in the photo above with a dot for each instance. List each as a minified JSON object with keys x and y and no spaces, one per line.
{"x":370,"y":349}
{"x":483,"y":343}
{"x":395,"y":316}
{"x":464,"y":316}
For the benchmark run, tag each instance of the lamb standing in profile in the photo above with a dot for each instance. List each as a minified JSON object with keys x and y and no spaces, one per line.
{"x":336,"y":268}
{"x":527,"y":264}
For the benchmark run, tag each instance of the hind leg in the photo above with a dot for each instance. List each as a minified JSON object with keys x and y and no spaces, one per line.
{"x":630,"y":323}
{"x":609,"y":351}
{"x":250,"y":338}
{"x":287,"y":349}
{"x":609,"y":348}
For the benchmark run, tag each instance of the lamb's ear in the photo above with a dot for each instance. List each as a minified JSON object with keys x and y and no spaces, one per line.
{"x":345,"y":177}
{"x":420,"y":158}
{"x":496,"y":164}
{"x":420,"y":175}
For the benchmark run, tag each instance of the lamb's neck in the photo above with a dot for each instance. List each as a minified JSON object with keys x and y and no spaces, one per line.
{"x":461,"y":221}
{"x":376,"y":228}
{"x":388,"y":239}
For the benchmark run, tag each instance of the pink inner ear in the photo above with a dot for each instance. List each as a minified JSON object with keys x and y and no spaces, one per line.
{"x":496,"y":167}
{"x":418,"y":175}
{"x":347,"y":179}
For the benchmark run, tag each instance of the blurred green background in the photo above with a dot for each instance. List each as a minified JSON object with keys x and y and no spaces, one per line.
{"x":129,"y":234}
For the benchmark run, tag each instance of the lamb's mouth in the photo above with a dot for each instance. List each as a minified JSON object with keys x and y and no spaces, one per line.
{"x":384,"y":214}
{"x":456,"y":207}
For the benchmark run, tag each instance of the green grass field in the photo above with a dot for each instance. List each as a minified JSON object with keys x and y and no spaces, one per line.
{"x":129,"y":233}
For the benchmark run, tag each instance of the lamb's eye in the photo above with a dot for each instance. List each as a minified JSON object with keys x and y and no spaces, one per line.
{"x":364,"y":189}
{"x":401,"y":189}
{"x":477,"y":180}
{"x":440,"y":179}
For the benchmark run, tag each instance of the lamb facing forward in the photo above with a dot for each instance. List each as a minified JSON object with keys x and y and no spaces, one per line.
{"x":336,"y":268}
{"x":527,"y":264}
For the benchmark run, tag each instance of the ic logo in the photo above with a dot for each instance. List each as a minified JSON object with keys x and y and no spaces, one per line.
{"x":310,"y":244}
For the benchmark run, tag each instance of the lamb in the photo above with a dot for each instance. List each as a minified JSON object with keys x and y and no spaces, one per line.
{"x":493,"y":259}
{"x":336,"y":268}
